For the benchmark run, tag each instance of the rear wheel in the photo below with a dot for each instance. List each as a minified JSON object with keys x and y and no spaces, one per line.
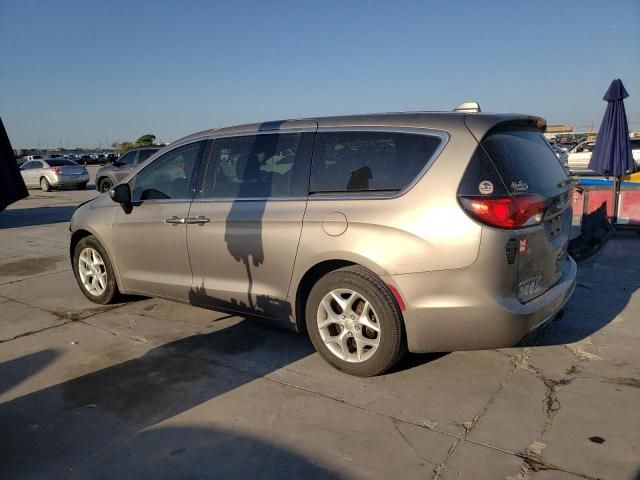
{"x":44,"y":185}
{"x":354,"y":322}
{"x":104,"y":185}
{"x":94,"y":272}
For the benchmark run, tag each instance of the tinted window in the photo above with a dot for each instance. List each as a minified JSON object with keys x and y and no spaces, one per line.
{"x":59,"y":162}
{"x":635,"y":144}
{"x":368,"y":161}
{"x":128,"y":158}
{"x":144,"y":154}
{"x":525,"y":162}
{"x":29,"y":165}
{"x":267,"y":165}
{"x":169,"y":176}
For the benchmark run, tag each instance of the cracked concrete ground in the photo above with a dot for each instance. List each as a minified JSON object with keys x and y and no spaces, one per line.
{"x":156,"y":389}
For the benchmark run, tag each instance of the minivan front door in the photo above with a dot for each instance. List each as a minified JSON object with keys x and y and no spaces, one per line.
{"x":150,"y":242}
{"x":250,"y":209}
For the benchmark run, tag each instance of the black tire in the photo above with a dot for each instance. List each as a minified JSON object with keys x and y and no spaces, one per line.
{"x":104,"y":185}
{"x":111,"y":293}
{"x":44,"y":185}
{"x":392,"y":344}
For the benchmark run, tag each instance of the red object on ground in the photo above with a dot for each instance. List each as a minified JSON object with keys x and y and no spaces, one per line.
{"x":629,"y":207}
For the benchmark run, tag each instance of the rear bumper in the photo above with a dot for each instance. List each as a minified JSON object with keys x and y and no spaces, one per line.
{"x":68,"y":180}
{"x":447,"y":311}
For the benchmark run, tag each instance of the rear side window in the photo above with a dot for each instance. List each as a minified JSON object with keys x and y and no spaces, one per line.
{"x":368,"y":161}
{"x":525,"y":162}
{"x":635,"y":144}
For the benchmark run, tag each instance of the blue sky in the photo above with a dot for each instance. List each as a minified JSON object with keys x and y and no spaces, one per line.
{"x":88,"y":72}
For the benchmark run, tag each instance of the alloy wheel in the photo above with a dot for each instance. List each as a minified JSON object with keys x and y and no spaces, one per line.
{"x":93,"y":272}
{"x":348,"y":325}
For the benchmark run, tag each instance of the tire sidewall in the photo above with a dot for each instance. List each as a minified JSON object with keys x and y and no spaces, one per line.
{"x":44,"y":184}
{"x":390,"y":320}
{"x":111,"y":292}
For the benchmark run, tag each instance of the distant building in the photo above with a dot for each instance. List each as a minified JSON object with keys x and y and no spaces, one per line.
{"x":564,"y":128}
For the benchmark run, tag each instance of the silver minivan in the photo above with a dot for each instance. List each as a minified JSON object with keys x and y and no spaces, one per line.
{"x":375,"y":234}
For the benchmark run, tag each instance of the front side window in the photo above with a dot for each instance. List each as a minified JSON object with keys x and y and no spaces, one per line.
{"x":259,"y":166}
{"x":144,"y":154}
{"x":29,"y":165}
{"x":170,"y":176}
{"x":128,"y":158}
{"x":368,"y":161}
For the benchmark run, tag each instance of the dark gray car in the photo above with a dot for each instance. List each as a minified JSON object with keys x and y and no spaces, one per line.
{"x":110,"y":175}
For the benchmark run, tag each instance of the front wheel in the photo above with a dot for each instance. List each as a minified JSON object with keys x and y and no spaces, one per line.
{"x":44,"y":185}
{"x":94,"y":272}
{"x":354,"y":322}
{"x":104,"y":185}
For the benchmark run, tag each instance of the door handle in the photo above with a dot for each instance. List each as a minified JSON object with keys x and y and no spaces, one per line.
{"x":175,"y":220}
{"x":199,"y":220}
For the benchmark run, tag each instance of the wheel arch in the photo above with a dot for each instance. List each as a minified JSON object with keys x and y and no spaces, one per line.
{"x":81,"y":233}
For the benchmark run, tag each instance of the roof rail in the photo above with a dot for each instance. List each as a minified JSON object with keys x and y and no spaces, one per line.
{"x":468,"y":107}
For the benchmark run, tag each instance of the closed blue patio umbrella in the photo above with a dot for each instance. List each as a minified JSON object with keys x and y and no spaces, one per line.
{"x":612,"y":152}
{"x":612,"y":155}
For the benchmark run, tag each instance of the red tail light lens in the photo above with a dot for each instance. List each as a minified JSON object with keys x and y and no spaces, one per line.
{"x":56,"y":169}
{"x":506,"y":212}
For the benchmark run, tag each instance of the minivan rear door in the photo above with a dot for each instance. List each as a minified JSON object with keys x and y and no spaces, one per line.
{"x":522,"y":168}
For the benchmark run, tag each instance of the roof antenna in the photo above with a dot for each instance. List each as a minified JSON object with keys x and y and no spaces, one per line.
{"x":468,"y":107}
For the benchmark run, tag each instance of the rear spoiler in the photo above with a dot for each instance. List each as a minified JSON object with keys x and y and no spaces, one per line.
{"x":480,"y":125}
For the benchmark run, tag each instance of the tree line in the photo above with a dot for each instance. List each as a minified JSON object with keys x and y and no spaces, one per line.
{"x":143,"y":141}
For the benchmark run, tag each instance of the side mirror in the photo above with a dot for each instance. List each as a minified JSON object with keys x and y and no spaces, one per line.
{"x":122,"y":194}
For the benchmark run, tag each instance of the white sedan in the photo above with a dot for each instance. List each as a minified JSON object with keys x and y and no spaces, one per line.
{"x":580,"y":155}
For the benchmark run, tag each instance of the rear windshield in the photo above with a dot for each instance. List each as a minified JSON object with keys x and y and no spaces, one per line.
{"x":55,"y":162}
{"x":525,"y":162}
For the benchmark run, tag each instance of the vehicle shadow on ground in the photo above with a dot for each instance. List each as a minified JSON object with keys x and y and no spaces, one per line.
{"x":601,"y":294}
{"x":29,"y":217}
{"x":72,"y":424}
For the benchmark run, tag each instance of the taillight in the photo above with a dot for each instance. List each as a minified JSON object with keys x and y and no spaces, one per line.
{"x":56,"y":169}
{"x":506,"y":212}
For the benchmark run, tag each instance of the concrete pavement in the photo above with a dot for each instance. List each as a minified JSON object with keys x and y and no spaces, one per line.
{"x":157,"y":389}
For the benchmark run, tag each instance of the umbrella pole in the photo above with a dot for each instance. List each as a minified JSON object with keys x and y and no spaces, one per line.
{"x":616,"y":195}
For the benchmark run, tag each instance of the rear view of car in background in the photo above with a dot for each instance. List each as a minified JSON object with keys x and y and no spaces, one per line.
{"x":119,"y":168}
{"x":375,"y":234}
{"x":54,"y":173}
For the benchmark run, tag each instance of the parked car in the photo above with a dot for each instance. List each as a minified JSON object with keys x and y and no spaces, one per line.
{"x":375,"y":234}
{"x":111,"y":174}
{"x":580,"y":155}
{"x":110,"y":158}
{"x":562,"y":155}
{"x":54,"y":173}
{"x":86,"y":159}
